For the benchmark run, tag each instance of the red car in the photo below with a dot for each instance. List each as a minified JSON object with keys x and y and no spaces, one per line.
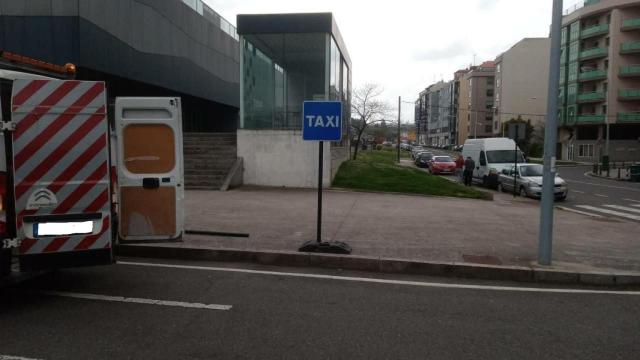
{"x":442,"y":165}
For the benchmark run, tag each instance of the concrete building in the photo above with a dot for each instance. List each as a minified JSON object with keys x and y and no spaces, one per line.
{"x":521,"y":83}
{"x":600,"y":82}
{"x":171,"y":48}
{"x":421,"y":117}
{"x":139,"y":48}
{"x":285,"y":60}
{"x":462,"y":106}
{"x":480,"y":91}
{"x":455,"y":103}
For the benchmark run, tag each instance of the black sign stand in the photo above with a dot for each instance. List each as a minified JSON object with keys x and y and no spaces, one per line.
{"x":332,"y":247}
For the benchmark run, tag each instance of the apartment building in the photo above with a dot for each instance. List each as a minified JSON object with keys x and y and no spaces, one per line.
{"x":422,"y":106}
{"x":522,"y":83}
{"x":462,"y":106}
{"x":479,"y":100}
{"x":599,"y":97}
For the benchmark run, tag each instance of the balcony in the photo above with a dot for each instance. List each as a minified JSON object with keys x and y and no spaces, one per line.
{"x":628,"y":117}
{"x":629,"y":94}
{"x":590,"y":2}
{"x":592,"y":75}
{"x":630,"y":24}
{"x":595,"y":96}
{"x":594,"y":53}
{"x":630,"y":47}
{"x":591,"y":119}
{"x":629,"y":71}
{"x":594,"y":31}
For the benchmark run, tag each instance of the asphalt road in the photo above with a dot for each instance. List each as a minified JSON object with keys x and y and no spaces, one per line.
{"x":113,"y":312}
{"x":594,"y":196}
{"x":601,"y":197}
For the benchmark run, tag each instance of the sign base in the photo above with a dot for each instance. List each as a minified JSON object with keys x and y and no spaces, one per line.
{"x":328,"y":247}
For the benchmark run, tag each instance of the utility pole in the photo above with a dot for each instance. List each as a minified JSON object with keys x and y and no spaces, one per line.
{"x":545,"y":239}
{"x":398,"y":144}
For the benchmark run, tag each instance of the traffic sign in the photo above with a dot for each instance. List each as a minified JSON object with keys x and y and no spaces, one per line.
{"x":322,"y":120}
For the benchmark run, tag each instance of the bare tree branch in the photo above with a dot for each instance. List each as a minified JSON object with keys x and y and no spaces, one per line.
{"x":369,"y":108}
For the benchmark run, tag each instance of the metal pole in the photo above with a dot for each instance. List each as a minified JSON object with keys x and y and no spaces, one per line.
{"x":319,"y":230}
{"x":515,"y":160}
{"x":398,"y":144}
{"x":545,"y":239}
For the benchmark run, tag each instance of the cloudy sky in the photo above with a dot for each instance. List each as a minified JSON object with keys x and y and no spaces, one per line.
{"x":405,"y":45}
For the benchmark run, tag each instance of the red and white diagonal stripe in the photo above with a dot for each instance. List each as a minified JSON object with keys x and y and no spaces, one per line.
{"x":60,"y":143}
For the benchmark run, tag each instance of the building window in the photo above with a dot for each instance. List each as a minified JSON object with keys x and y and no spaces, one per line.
{"x":487,"y":128}
{"x":489,"y":92}
{"x":585,"y":150}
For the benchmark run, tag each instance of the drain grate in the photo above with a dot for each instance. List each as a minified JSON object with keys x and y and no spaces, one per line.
{"x":482,"y":259}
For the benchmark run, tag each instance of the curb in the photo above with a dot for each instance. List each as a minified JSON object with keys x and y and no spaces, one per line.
{"x":385,"y":265}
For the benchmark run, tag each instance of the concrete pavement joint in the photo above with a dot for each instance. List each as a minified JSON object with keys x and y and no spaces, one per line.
{"x":384,"y":265}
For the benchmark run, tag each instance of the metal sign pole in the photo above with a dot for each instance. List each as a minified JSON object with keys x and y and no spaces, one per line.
{"x":322,"y":121}
{"x":320,"y":161}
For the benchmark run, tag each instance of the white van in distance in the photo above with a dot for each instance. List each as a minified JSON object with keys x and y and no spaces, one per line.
{"x":491,"y":155}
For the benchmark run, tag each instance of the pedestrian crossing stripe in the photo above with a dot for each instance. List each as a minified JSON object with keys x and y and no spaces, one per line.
{"x":610,"y":212}
{"x":624,"y":208}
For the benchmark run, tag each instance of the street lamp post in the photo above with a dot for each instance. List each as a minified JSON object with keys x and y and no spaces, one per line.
{"x":545,"y":239}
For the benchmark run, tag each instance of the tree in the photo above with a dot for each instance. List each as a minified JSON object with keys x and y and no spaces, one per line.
{"x":523,"y":144}
{"x":368,"y":108}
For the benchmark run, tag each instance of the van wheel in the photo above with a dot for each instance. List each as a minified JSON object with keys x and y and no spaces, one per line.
{"x":485,"y":181}
{"x":523,"y":192}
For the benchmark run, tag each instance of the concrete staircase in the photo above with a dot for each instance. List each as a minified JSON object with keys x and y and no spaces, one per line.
{"x":208,"y":157}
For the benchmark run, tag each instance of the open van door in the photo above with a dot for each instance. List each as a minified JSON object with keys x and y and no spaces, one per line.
{"x":61,"y":173}
{"x":150,"y":169}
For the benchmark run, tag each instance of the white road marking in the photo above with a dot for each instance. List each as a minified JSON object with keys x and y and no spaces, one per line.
{"x":607,"y":186}
{"x":618,"y":207}
{"x":385,"y":281}
{"x":600,"y":195}
{"x":137,"y":300}
{"x":9,"y":357}
{"x":578,"y":211}
{"x":578,"y":192}
{"x":610,"y":212}
{"x":637,"y":201}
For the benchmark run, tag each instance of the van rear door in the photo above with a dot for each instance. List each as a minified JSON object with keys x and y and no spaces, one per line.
{"x":61,"y":173}
{"x":150,"y":169}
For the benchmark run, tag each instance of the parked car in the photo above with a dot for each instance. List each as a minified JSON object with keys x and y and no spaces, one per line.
{"x":529,"y":182}
{"x":442,"y":165}
{"x":414,"y":150}
{"x":423,"y":159}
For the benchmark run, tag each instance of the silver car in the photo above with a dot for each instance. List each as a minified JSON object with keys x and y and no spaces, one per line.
{"x":529,"y":182}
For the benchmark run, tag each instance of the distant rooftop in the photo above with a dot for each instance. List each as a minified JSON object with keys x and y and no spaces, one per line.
{"x":488,"y":64}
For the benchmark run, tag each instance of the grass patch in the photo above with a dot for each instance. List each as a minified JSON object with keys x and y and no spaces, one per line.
{"x":377,"y":171}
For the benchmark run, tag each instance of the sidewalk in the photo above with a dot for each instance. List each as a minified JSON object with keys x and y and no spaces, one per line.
{"x":503,"y":232}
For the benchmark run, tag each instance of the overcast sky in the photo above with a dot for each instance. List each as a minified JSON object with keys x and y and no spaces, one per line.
{"x":406,"y":45}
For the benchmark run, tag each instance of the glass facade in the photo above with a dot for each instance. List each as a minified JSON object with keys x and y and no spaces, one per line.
{"x":281,"y":71}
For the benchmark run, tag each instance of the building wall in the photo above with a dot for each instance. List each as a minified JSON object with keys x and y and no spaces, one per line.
{"x":163,"y":44}
{"x":479,"y":103}
{"x":522,"y":81}
{"x":577,"y":112}
{"x":463,"y":109}
{"x":282,"y":158}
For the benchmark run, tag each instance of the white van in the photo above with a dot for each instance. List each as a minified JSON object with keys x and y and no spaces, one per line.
{"x":491,"y":155}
